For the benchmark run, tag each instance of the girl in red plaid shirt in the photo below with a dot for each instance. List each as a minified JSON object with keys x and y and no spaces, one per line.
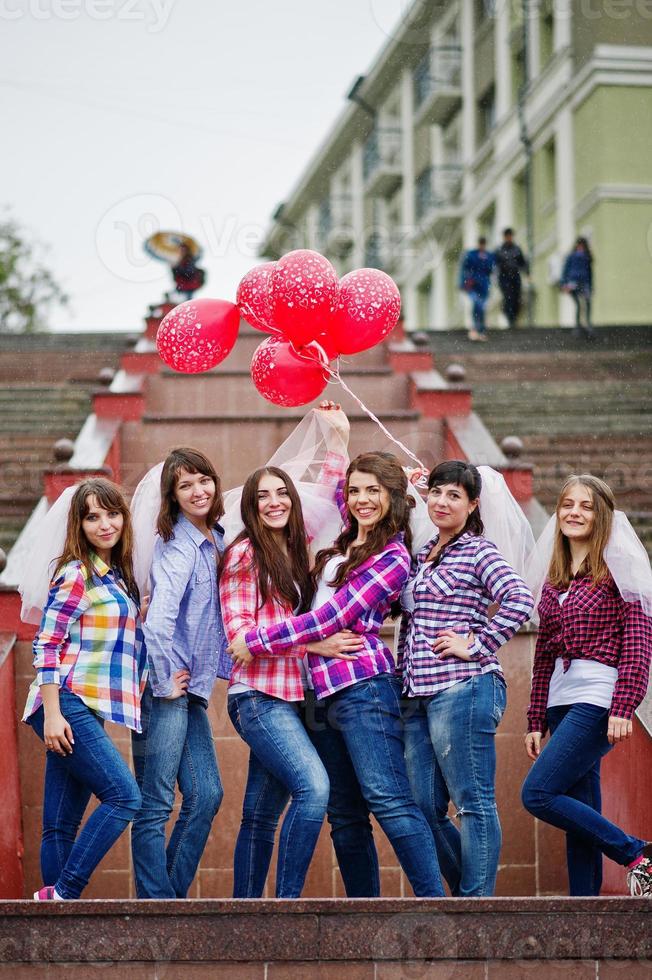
{"x":265,"y":578}
{"x":590,"y":673}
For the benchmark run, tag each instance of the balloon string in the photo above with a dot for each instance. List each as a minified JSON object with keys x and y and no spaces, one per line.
{"x":338,"y":378}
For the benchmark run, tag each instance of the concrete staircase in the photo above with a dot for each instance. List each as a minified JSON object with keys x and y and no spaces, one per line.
{"x":222,"y":414}
{"x":577,"y":409}
{"x":32,"y":418}
{"x":35,"y":411}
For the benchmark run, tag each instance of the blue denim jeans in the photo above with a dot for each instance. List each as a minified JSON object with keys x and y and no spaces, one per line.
{"x":95,"y":767}
{"x":176,"y":746}
{"x":283,"y":766}
{"x":478,"y":304}
{"x":563,"y":789}
{"x":450,"y":754}
{"x":358,"y":733}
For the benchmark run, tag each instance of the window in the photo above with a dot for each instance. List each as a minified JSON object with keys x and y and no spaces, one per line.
{"x":548,"y":173}
{"x":518,"y":70}
{"x":484,"y":10}
{"x":546,"y":31}
{"x":424,"y":303}
{"x":486,"y":114}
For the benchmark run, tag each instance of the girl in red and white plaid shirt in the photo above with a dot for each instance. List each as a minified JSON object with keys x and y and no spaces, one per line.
{"x":265,"y":578}
{"x":591,"y":669}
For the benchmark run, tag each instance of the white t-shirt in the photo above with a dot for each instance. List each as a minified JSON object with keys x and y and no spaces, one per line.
{"x":325,"y":592}
{"x":585,"y":681}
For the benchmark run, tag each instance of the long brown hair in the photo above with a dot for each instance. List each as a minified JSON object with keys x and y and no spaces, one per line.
{"x":77,"y":547}
{"x":192,"y":461}
{"x":594,"y":565}
{"x":279,"y":575}
{"x":389,"y":473}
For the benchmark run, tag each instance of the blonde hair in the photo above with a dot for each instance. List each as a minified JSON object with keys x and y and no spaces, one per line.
{"x":594,"y":565}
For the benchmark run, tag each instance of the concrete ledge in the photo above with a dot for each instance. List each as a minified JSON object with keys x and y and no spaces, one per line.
{"x":431,"y":394}
{"x":339,"y":931}
{"x":125,"y":399}
{"x":273,"y":415}
{"x":405,"y":357}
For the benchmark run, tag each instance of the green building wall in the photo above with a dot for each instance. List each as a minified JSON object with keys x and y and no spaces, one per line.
{"x":613,"y":136}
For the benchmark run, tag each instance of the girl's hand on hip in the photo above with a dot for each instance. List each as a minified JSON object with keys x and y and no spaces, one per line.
{"x":57,"y":734}
{"x":618,"y":729}
{"x":452,"y":644}
{"x":533,"y":745}
{"x":180,"y":681}
{"x":239,"y":652}
{"x":339,"y":646}
{"x":144,"y":606}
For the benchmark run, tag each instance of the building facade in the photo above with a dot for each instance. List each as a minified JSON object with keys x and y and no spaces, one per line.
{"x":482,"y":114}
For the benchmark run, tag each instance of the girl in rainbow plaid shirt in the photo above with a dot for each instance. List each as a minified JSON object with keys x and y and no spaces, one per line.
{"x":90,"y":667}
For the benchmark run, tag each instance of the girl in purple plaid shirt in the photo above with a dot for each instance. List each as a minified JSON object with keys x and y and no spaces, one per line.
{"x":591,"y":669}
{"x":454,"y":683}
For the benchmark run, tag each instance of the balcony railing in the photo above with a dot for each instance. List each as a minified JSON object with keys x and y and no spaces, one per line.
{"x":382,"y":164}
{"x":383,"y":251}
{"x":338,"y":234}
{"x":438,"y":84}
{"x":437,"y":195}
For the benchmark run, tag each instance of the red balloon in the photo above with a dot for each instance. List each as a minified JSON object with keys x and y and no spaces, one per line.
{"x":198,"y":334}
{"x":285,"y":376}
{"x":304,"y":295}
{"x":254,"y":297}
{"x":369,"y":308}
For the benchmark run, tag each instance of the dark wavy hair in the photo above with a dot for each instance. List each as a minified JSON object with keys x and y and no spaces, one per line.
{"x":192,"y":461}
{"x":77,"y":547}
{"x":388,"y":471}
{"x":280,"y":576}
{"x":464,"y":475}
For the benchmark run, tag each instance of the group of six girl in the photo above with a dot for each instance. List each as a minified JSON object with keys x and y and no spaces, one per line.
{"x":334,"y":726}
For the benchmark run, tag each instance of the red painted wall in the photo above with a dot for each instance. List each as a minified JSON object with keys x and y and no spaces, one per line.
{"x":626,"y":798}
{"x":11,"y":835}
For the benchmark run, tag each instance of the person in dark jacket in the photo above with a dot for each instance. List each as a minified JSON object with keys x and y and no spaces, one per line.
{"x":511,"y":265}
{"x":577,"y":280}
{"x":475,"y":280}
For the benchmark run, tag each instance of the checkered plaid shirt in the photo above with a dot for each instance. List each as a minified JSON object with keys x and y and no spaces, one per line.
{"x":90,"y":642}
{"x":361,"y":605}
{"x":456,"y":594}
{"x":594,"y":623}
{"x":279,"y":677}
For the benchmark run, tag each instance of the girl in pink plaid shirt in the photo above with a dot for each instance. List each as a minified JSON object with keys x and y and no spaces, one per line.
{"x":266,"y":577}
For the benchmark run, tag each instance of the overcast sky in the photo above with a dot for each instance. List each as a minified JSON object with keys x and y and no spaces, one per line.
{"x":122,"y":116}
